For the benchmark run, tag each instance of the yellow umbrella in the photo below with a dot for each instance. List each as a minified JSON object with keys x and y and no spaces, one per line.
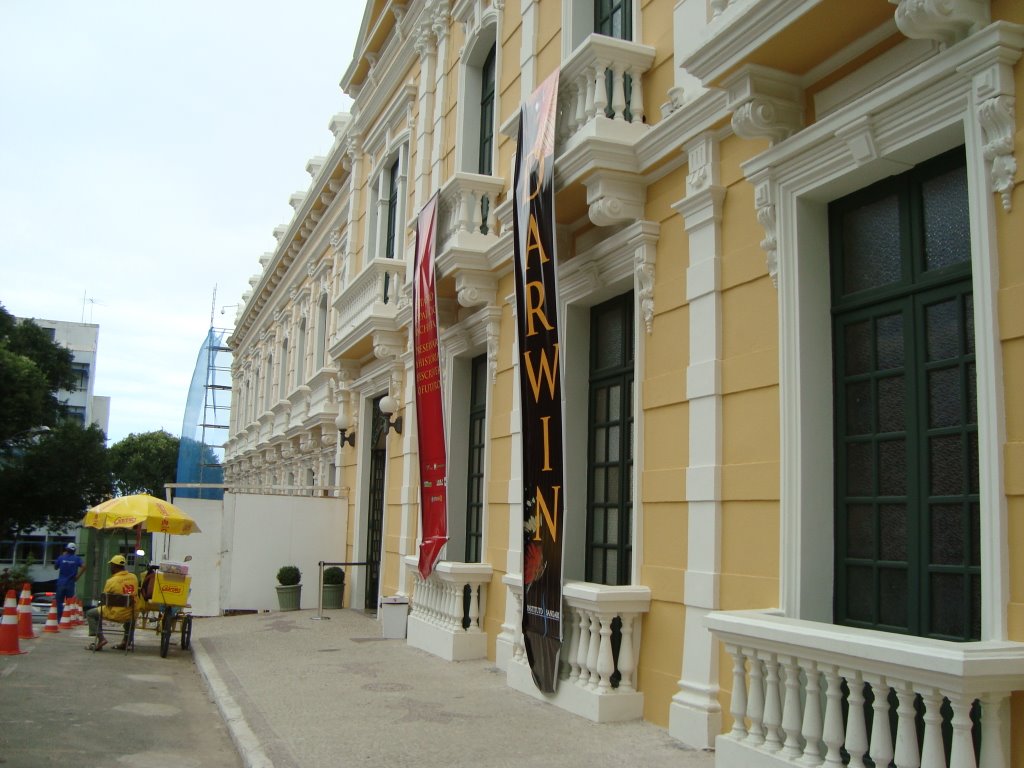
{"x":154,"y":515}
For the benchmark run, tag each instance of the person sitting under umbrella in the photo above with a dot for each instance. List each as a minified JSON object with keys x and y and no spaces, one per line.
{"x":123,"y":584}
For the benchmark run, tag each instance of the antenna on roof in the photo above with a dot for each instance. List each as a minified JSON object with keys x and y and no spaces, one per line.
{"x":86,"y":299}
{"x":213,"y":304}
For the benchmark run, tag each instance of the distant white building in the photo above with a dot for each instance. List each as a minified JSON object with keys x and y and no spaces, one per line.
{"x":41,"y":546}
{"x":82,"y":340}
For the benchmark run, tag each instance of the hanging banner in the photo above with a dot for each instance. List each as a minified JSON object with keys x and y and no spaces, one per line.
{"x":429,"y":413}
{"x":540,"y":385}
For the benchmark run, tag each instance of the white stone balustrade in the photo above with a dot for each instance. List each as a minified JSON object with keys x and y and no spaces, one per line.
{"x":373,"y":295}
{"x":594,"y":682}
{"x":441,"y":621}
{"x":586,"y":93}
{"x":787,"y":698}
{"x":461,"y":209}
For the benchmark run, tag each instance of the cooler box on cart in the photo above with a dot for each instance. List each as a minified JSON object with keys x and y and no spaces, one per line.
{"x":171,"y":588}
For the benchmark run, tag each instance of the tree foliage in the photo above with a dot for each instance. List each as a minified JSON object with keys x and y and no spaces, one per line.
{"x":32,"y":368}
{"x":142,"y":463}
{"x":51,"y":481}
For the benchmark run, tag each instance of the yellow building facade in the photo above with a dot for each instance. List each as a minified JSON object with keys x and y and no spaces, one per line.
{"x":787,"y":246}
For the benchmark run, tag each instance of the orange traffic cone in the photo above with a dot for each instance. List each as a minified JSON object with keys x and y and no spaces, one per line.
{"x":65,"y":616}
{"x":9,"y":626}
{"x":25,"y":629}
{"x":51,"y":619}
{"x":76,"y":613}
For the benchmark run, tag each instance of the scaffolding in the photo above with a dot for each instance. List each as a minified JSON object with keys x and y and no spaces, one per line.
{"x":207,"y":412}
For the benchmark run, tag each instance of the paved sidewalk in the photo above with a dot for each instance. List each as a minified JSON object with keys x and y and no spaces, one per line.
{"x":301,"y":693}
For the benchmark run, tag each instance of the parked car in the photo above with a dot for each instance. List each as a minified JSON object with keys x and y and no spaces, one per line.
{"x":41,"y":606}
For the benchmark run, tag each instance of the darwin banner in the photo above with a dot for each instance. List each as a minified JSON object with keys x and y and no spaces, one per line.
{"x":539,"y":383}
{"x":429,"y":412}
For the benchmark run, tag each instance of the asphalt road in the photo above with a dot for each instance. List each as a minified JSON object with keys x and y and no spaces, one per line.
{"x":61,"y":705}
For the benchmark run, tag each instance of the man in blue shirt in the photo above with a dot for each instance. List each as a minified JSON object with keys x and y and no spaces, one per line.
{"x":69,"y":568}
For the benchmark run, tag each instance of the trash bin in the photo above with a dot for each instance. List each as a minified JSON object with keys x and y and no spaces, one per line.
{"x":394,"y":616}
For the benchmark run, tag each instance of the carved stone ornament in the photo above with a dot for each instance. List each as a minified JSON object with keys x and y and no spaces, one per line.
{"x":765,"y":103}
{"x":766,"y":218}
{"x":336,"y":238}
{"x":614,"y":198}
{"x":996,"y":116}
{"x":644,"y":261}
{"x":947,"y":21}
{"x":493,"y":339}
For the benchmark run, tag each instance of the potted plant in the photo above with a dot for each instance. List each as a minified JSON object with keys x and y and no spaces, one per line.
{"x":334,"y":587}
{"x":289,"y":589}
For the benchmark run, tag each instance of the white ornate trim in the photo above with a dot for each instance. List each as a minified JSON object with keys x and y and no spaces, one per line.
{"x":644,"y":259}
{"x":765,"y":103}
{"x":765,"y":204}
{"x":947,"y":21}
{"x":996,"y":116}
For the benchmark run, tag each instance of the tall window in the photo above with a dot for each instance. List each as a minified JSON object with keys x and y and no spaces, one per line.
{"x":300,"y":355}
{"x":906,"y":456}
{"x":321,"y":331}
{"x":475,"y":469}
{"x":614,"y":18}
{"x":282,"y":385}
{"x":485,"y":164}
{"x":610,"y":443}
{"x":268,"y":384}
{"x":80,"y":374}
{"x":392,"y":212}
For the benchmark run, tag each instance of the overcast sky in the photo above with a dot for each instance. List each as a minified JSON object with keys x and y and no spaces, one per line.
{"x":147,"y":152}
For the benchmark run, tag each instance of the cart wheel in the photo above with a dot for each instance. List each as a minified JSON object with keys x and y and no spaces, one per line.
{"x":165,"y":634}
{"x":186,"y":632}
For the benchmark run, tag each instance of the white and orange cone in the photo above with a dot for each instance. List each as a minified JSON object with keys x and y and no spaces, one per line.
{"x":78,"y":619}
{"x":25,"y":629}
{"x":51,"y":619}
{"x":65,"y":617}
{"x":9,"y":626}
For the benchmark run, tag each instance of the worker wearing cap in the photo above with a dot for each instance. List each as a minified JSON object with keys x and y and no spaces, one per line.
{"x":69,"y":567}
{"x":121,"y":582}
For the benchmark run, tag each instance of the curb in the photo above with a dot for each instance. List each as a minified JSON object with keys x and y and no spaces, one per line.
{"x":246,"y":742}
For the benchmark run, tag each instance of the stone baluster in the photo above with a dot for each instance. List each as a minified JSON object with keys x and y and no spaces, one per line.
{"x":583,"y":653}
{"x":453,"y":606}
{"x":856,"y":728}
{"x":636,"y":98}
{"x":962,"y":753}
{"x":738,"y":702}
{"x":618,"y":93}
{"x":573,"y":646}
{"x":594,"y":651}
{"x":881,"y":734}
{"x":600,"y":87}
{"x":811,"y":727}
{"x":792,"y":717}
{"x":755,"y":701}
{"x":579,"y":104}
{"x":772,"y":705}
{"x":474,"y":608}
{"x":605,"y":658}
{"x":907,"y":753}
{"x":466,"y":210}
{"x":932,"y":753}
{"x":832,"y":734}
{"x":380,"y":290}
{"x":993,"y":708}
{"x":627,"y":656}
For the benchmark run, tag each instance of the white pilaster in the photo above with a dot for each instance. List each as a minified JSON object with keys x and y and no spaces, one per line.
{"x":695,"y":715}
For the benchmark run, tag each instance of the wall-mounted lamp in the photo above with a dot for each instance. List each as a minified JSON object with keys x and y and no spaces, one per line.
{"x":388,"y":405}
{"x":344,"y":424}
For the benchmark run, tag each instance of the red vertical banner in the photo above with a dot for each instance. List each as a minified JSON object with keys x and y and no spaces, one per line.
{"x":540,"y":385}
{"x":429,"y":412}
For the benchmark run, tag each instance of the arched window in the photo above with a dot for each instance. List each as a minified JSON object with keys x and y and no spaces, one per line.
{"x":282,"y":385}
{"x":321,"y":332}
{"x":300,"y":355}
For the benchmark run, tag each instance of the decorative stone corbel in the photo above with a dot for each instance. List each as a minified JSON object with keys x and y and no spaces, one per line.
{"x":336,"y":238}
{"x":493,"y":338}
{"x":614,"y":197}
{"x":388,"y":345}
{"x":643,"y":259}
{"x":475,"y":288}
{"x":947,"y":21}
{"x":764,"y":201}
{"x":993,"y":95}
{"x":765,"y":103}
